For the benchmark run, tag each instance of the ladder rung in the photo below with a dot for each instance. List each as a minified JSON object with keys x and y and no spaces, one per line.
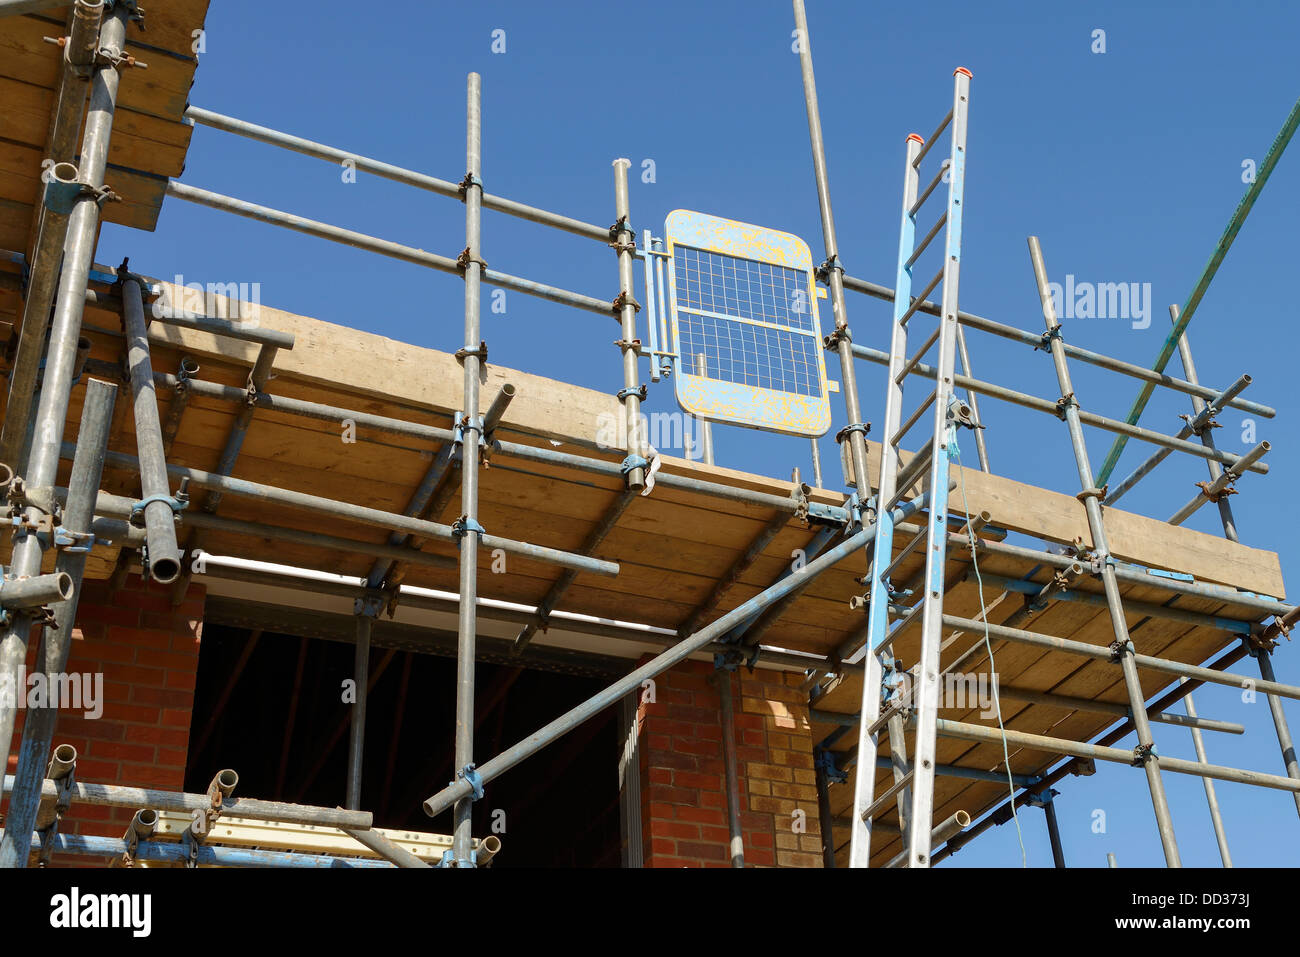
{"x":919,"y":301}
{"x":914,"y":418}
{"x":920,"y":354}
{"x":910,"y":547}
{"x":891,"y":792}
{"x":934,"y":183}
{"x":879,"y":724}
{"x":911,"y":472}
{"x":938,"y":131}
{"x":929,"y":237}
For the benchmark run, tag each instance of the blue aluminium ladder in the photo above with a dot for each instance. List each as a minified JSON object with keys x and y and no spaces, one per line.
{"x":913,"y":789}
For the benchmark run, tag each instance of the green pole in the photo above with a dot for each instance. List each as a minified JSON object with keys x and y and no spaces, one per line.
{"x":1203,"y":283}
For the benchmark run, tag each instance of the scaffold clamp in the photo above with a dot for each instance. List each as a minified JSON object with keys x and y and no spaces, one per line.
{"x":824,"y":270}
{"x":481,"y":352}
{"x":622,"y":300}
{"x":470,"y":180}
{"x":464,"y":525}
{"x":840,"y":334}
{"x":633,"y":462}
{"x":1144,"y":751}
{"x":844,"y":433}
{"x":472,"y":778}
{"x":462,"y":424}
{"x":639,"y":392}
{"x":178,"y":503}
{"x":824,"y":761}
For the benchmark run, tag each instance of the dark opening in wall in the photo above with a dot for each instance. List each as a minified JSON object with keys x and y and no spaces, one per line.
{"x":271,"y":706}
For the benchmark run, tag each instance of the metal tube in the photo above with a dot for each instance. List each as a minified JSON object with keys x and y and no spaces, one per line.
{"x":159,"y":518}
{"x":80,"y":49}
{"x":727,"y":709}
{"x":61,"y":356}
{"x":1081,"y":749}
{"x":825,"y":817}
{"x":357,"y":730}
{"x":625,"y":244}
{"x":953,"y":825}
{"x":386,"y":849}
{"x":38,"y":728}
{"x":364,"y":515}
{"x":467,"y":621}
{"x":1205,"y":420}
{"x":34,"y":592}
{"x":1054,"y":829}
{"x":1168,"y":612}
{"x":1204,"y":415}
{"x":169,"y":852}
{"x":112,"y":795}
{"x":1119,"y":625}
{"x":1104,"y":653}
{"x":1027,"y":401}
{"x":704,"y":428}
{"x":512,"y":449}
{"x":110,"y":504}
{"x":213,"y":325}
{"x":384,"y":247}
{"x":1279,"y":721}
{"x":388,"y":171}
{"x":834,"y":270}
{"x":1216,"y":487}
{"x":1210,"y":797}
{"x":503,"y":762}
{"x":877,"y":291}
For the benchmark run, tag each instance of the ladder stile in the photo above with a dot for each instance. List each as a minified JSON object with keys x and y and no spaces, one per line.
{"x":878,"y":597}
{"x":914,"y":787}
{"x":927,"y":687}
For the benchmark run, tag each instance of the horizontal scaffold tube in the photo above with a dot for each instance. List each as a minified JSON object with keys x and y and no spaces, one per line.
{"x":214,"y":325}
{"x":503,"y":762}
{"x":383,"y":247}
{"x":162,"y":852}
{"x":112,"y":795}
{"x":1074,"y":352}
{"x":1103,"y":653}
{"x":433,"y":433}
{"x":1082,"y":749}
{"x":361,"y":514}
{"x":397,"y":174}
{"x":1050,"y":407}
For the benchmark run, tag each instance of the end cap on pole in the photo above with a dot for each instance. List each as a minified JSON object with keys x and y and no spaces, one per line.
{"x":917,"y":137}
{"x":963,"y":70}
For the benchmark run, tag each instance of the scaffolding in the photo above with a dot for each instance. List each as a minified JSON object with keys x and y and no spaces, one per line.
{"x":909,"y":504}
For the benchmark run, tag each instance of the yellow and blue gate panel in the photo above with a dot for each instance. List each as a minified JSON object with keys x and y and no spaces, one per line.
{"x":748,"y":343}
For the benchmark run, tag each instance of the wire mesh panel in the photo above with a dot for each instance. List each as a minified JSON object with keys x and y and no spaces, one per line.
{"x":744,"y":325}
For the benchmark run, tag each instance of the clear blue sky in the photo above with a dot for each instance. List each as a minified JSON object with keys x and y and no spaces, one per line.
{"x":1127,"y":164}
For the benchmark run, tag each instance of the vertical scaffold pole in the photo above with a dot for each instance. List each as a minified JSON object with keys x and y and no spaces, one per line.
{"x":1091,"y":497}
{"x":366,"y":610}
{"x":833,"y":271}
{"x":471,"y":429}
{"x":61,"y":356}
{"x":56,"y":643}
{"x":1260,"y":654}
{"x":623,"y":239}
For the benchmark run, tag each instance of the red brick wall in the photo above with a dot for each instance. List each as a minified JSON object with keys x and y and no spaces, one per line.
{"x":684,"y":809}
{"x":148,"y":652}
